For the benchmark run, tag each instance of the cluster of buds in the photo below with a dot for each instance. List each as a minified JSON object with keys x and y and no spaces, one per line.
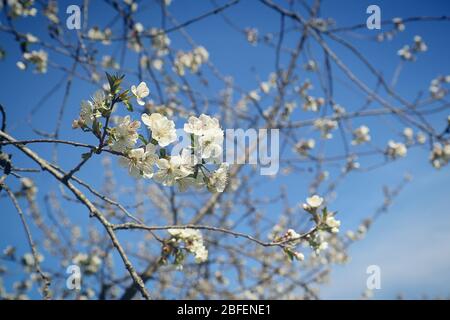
{"x":437,"y":90}
{"x":408,"y":53}
{"x":193,"y":243}
{"x":191,"y":60}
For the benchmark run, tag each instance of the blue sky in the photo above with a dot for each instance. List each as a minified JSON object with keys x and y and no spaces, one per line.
{"x":410,"y":243}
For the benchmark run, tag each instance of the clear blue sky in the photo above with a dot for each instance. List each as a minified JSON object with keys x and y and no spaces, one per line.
{"x":410,"y":243}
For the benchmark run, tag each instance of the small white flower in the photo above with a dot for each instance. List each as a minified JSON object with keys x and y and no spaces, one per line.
{"x":333,"y":224}
{"x":396,"y":149}
{"x":299,"y":256}
{"x":172,"y":170}
{"x":315,"y":201}
{"x":124,"y":134}
{"x":38,"y":58}
{"x":291,"y":235}
{"x":265,"y":87}
{"x":140,"y":161}
{"x":421,"y":137}
{"x":304,"y":146}
{"x":219,"y":178}
{"x":325,"y":126}
{"x":419,"y":44}
{"x":210,"y":135}
{"x":405,"y":53}
{"x":193,"y":241}
{"x":398,"y":22}
{"x":21,"y":65}
{"x":140,"y":92}
{"x":361,"y":135}
{"x":163,"y":129}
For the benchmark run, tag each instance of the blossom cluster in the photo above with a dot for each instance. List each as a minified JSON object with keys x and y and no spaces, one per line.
{"x":325,"y":126}
{"x":437,"y":90}
{"x":408,"y":53}
{"x":396,"y":149}
{"x":19,"y":8}
{"x":39,"y":58}
{"x":361,"y":135}
{"x":185,"y":169}
{"x":95,"y":33}
{"x":304,"y":146}
{"x":193,"y":243}
{"x":326,"y":223}
{"x":90,"y":263}
{"x":440,"y":155}
{"x":191,"y":60}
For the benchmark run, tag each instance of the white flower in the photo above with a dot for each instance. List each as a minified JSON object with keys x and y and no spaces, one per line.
{"x":254,"y":95}
{"x":172,"y":170}
{"x":193,"y":241}
{"x":160,"y":41}
{"x":299,"y":256}
{"x":303,"y":146}
{"x":333,"y":224}
{"x":140,"y":92}
{"x":325,"y":126}
{"x":361,"y":135}
{"x":140,"y":161}
{"x":218,"y":179}
{"x":211,"y":144}
{"x":408,"y":133}
{"x":252,"y":35}
{"x":405,"y":53}
{"x":198,"y":126}
{"x":210,"y":135}
{"x":201,"y":254}
{"x":419,"y":44}
{"x":31,"y":38}
{"x":88,"y":112}
{"x":421,"y":137}
{"x":163,"y":129}
{"x":315,"y":201}
{"x":125,"y":134}
{"x":398,"y":22}
{"x":291,"y":235}
{"x":21,"y":65}
{"x":157,"y":64}
{"x":440,"y":155}
{"x":201,"y":54}
{"x":313,"y":104}
{"x":396,"y":149}
{"x":265,"y":87}
{"x":38,"y":58}
{"x":311,"y":65}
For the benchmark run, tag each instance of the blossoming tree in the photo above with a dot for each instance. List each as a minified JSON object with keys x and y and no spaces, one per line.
{"x":181,"y":222}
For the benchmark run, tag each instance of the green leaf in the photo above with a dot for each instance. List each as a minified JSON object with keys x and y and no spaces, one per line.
{"x":142,"y":138}
{"x":128,"y":105}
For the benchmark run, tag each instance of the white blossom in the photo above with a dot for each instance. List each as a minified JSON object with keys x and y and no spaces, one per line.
{"x":193,"y":241}
{"x":361,"y":135}
{"x":172,"y":170}
{"x":304,"y":146}
{"x":140,"y":92}
{"x":38,"y":58}
{"x":140,"y":161}
{"x":163,"y":129}
{"x":124,"y":134}
{"x":314,"y":202}
{"x":325,"y":126}
{"x":396,"y":149}
{"x":333,"y":224}
{"x":219,"y":178}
